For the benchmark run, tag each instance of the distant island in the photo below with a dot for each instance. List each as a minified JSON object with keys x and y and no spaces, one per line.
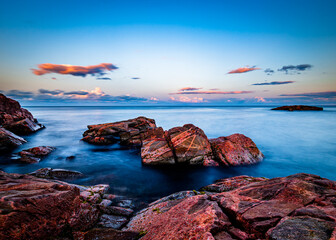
{"x":298,"y":108}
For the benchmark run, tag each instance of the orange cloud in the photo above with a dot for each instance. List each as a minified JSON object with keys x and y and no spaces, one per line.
{"x":189,"y":89}
{"x":243,"y":69}
{"x":260,"y":99}
{"x":82,"y":71}
{"x":213,"y":92}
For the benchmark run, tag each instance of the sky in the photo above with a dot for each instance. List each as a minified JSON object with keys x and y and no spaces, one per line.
{"x":168,"y":52}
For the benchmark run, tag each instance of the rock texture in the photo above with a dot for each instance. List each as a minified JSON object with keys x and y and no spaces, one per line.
{"x":50,"y":173}
{"x":35,"y":154}
{"x":300,"y":206}
{"x":129,"y":132}
{"x":235,"y":150}
{"x":180,"y":145}
{"x":9,"y":140}
{"x":299,"y":108}
{"x":16,"y":119}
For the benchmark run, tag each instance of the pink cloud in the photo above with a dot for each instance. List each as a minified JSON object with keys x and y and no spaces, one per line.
{"x":243,"y":70}
{"x":213,"y":92}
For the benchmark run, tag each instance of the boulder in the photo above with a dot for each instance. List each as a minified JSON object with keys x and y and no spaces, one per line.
{"x":9,"y":140}
{"x":190,"y":145}
{"x":298,"y":108}
{"x":35,"y":154}
{"x":128,"y":132}
{"x":236,"y":149}
{"x":56,"y":173}
{"x":300,"y":206}
{"x":16,"y":119}
{"x":33,"y":208}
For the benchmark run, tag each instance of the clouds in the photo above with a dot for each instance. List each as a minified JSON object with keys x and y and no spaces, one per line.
{"x":274,"y":83}
{"x":104,"y":78}
{"x":185,"y":99}
{"x":212,"y":92}
{"x":269,"y":71}
{"x":94,"y":70}
{"x":330,"y":94}
{"x":291,"y":69}
{"x":189,"y":89}
{"x":243,"y":70}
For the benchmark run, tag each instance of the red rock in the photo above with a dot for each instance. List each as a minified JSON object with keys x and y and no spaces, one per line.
{"x":33,"y":208}
{"x":9,"y":140}
{"x":84,"y":217}
{"x":129,"y":132}
{"x":190,"y":145}
{"x":235,"y":150}
{"x":35,"y":154}
{"x":50,"y":173}
{"x":299,"y":108}
{"x":106,"y":234}
{"x":24,"y":126}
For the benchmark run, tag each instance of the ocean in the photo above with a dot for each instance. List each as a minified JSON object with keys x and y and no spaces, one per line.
{"x":292,"y":142}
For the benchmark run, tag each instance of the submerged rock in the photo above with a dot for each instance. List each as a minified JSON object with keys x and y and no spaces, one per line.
{"x":300,"y":206}
{"x":16,"y":119}
{"x":129,"y":132}
{"x":9,"y":140}
{"x":35,"y":154}
{"x":236,"y":149}
{"x":299,"y":108}
{"x":56,"y":173}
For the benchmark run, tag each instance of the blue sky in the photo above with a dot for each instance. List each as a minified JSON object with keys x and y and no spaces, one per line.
{"x":160,"y":48}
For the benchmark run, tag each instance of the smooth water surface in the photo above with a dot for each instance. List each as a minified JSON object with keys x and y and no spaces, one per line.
{"x":292,"y":142}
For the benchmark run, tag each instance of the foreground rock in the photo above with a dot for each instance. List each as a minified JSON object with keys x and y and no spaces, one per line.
{"x":235,"y":150}
{"x":50,"y":173}
{"x":9,"y":140}
{"x":300,"y":206}
{"x":16,"y":119}
{"x":180,"y":145}
{"x":34,"y":208}
{"x":129,"y":132}
{"x":299,"y":108}
{"x":35,"y":154}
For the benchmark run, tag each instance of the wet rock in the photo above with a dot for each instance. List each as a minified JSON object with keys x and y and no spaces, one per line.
{"x":70,"y":158}
{"x":125,"y":203}
{"x":300,"y":206}
{"x":298,"y":108}
{"x":105,"y":234}
{"x":235,"y":150}
{"x":16,"y":119}
{"x":33,"y":208}
{"x":155,"y":148}
{"x":9,"y":140}
{"x":35,"y":154}
{"x":129,"y":132}
{"x":56,"y":173}
{"x":190,"y":145}
{"x":112,"y":221}
{"x":114,"y":210}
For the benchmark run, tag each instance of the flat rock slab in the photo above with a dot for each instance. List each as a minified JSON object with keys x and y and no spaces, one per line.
{"x":112,"y":221}
{"x":9,"y":140}
{"x":50,"y":173}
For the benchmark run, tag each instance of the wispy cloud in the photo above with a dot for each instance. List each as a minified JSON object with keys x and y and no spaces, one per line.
{"x":135,"y":78}
{"x":331,"y":94}
{"x":243,"y":70}
{"x":269,"y":71}
{"x":273,"y":83}
{"x":186,"y":99}
{"x":291,"y":69}
{"x":212,"y":92}
{"x":82,"y":71}
{"x":189,"y":89}
{"x":104,"y":78}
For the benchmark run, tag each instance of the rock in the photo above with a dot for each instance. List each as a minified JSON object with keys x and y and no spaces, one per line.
{"x":112,"y":221}
{"x":114,"y":210}
{"x":33,"y":208}
{"x":129,"y":132}
{"x":155,"y":148}
{"x":125,"y":203}
{"x":300,"y":206}
{"x":56,"y":173}
{"x":190,"y":145}
{"x":16,"y":119}
{"x":9,"y":140}
{"x":299,"y":108}
{"x":35,"y":154}
{"x":84,"y":217}
{"x":105,"y":234}
{"x":236,"y":149}
{"x":228,"y":184}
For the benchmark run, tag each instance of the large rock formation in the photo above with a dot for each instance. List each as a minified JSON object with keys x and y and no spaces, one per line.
{"x":300,"y":206}
{"x":298,"y":108}
{"x":180,"y":145}
{"x":35,"y":154}
{"x":9,"y":140}
{"x":235,"y":150}
{"x":129,"y":132}
{"x":15,"y":118}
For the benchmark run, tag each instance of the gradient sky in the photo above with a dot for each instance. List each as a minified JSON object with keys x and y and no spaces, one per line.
{"x":168,"y":52}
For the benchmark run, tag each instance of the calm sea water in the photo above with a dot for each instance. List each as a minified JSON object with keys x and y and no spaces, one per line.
{"x":292,"y":142}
